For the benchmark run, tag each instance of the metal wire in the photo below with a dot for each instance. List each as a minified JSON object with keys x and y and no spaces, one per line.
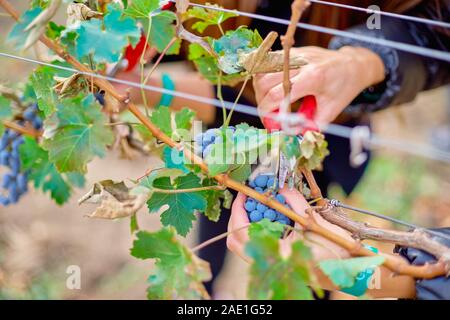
{"x":385,"y":13}
{"x":337,"y":203}
{"x":333,"y":129}
{"x":426,"y":52}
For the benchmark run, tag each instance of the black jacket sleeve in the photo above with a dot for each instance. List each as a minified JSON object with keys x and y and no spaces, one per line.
{"x":433,"y":289}
{"x":407,"y":74}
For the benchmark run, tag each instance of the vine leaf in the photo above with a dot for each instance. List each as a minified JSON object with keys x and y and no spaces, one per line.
{"x":42,"y":81}
{"x":115,"y":199}
{"x":179,"y":273}
{"x":214,"y":199}
{"x":5,"y":111}
{"x":79,"y":134}
{"x":163,"y":31}
{"x":232,"y":44}
{"x":313,"y":149}
{"x":272,"y":276}
{"x":182,"y":206}
{"x":44,"y":174}
{"x":141,"y":8}
{"x":344,"y":272}
{"x":207,"y":17}
{"x":162,"y":117}
{"x":18,"y":36}
{"x":174,"y":159}
{"x":103,"y":39}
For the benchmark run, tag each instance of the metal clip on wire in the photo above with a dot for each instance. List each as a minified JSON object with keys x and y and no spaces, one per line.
{"x":359,"y":140}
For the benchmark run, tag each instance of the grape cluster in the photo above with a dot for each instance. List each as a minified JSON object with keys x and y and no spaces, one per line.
{"x":207,"y":139}
{"x":15,"y":182}
{"x":256,"y":210}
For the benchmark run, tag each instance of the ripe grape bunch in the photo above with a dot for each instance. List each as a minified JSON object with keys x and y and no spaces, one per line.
{"x":14,"y":183}
{"x":210,"y":137}
{"x":257,"y":211}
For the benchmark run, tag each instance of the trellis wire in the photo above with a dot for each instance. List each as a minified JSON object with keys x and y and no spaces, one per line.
{"x":431,"y":53}
{"x":333,"y":129}
{"x":385,"y":13}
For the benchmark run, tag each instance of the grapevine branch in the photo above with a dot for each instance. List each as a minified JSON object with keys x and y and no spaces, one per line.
{"x":417,"y":239}
{"x":391,"y":262}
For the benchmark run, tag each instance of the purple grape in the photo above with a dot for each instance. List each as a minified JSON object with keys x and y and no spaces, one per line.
{"x":37,"y":123}
{"x":13,"y":192}
{"x":271,"y":183}
{"x":29,"y":114}
{"x":261,"y":181}
{"x":261,"y":207}
{"x":4,"y":201}
{"x":256,"y":216}
{"x":270,"y":214}
{"x":280,"y":198}
{"x":250,"y":205}
{"x":4,"y":157}
{"x":22,"y":182}
{"x":6,"y":181}
{"x":4,"y":141}
{"x":258,"y":189}
{"x":14,"y":163}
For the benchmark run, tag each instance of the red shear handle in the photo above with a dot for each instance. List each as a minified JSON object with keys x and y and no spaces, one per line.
{"x":307,"y":108}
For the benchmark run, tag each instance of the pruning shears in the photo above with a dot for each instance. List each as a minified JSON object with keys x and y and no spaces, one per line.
{"x":286,"y":166}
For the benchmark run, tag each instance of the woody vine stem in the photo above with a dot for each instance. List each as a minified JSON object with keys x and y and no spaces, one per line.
{"x":308,"y":224}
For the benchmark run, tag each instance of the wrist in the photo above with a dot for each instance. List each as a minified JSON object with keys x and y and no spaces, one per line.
{"x":367,"y":61}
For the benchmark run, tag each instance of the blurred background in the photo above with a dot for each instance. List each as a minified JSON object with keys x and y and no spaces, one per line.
{"x":39,"y":240}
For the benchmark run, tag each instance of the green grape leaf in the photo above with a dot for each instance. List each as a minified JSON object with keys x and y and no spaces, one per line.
{"x":80,"y":134}
{"x":271,"y":275}
{"x":18,"y":36}
{"x":290,"y":146}
{"x":174,"y":159}
{"x":5,"y":111}
{"x":43,"y":173}
{"x":232,"y":44}
{"x":179,"y":274}
{"x":313,"y":149}
{"x":163,"y":31}
{"x":182,"y":206}
{"x":54,"y":31}
{"x":162,"y":117}
{"x":148,"y":180}
{"x":179,"y":129}
{"x":240,"y":172}
{"x":214,"y":199}
{"x":141,"y":8}
{"x":183,"y":118}
{"x":196,"y":51}
{"x":343,"y":273}
{"x":103,"y":39}
{"x":207,"y":17}
{"x":42,"y":81}
{"x":221,"y":157}
{"x":209,"y":69}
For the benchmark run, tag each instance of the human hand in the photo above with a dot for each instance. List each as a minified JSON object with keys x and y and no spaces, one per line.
{"x":322,"y":249}
{"x":335,"y":78}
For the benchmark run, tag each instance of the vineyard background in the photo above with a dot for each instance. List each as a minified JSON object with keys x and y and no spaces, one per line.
{"x":38,"y":239}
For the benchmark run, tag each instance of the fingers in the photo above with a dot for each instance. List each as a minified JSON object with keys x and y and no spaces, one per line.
{"x":264,"y":82}
{"x":296,"y":200}
{"x":306,"y":82}
{"x":236,"y":241}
